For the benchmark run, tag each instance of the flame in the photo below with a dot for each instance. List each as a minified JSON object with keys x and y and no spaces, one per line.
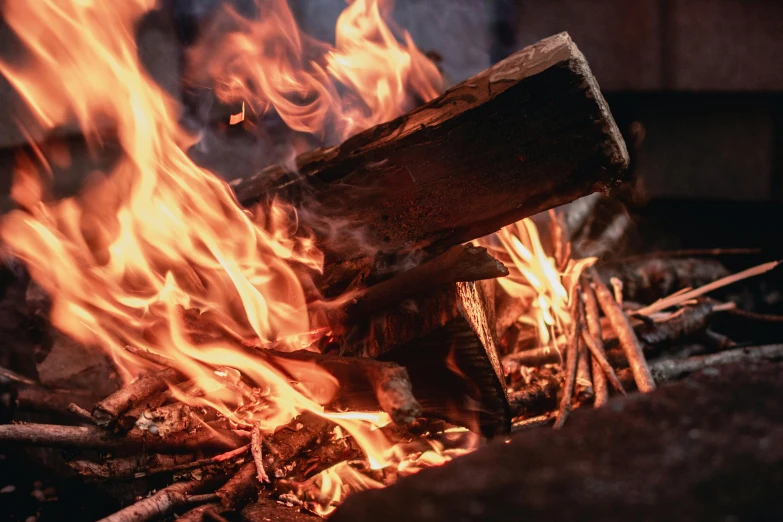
{"x":155,"y":256}
{"x":372,"y":74}
{"x":534,"y":278}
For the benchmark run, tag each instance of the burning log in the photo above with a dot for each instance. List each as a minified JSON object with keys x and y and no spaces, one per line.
{"x":241,"y":489}
{"x":537,"y":397}
{"x":528,"y":134}
{"x":292,"y":439}
{"x":446,"y":342}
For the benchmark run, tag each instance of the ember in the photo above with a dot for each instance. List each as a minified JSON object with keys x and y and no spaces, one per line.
{"x":323,"y":326}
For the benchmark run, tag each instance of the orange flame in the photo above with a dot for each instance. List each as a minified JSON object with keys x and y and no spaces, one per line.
{"x":129,"y":259}
{"x":534,"y":278}
{"x":367,"y":77}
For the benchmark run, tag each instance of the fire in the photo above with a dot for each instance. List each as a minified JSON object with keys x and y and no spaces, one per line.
{"x":368,"y":77}
{"x":156,"y":248}
{"x":535,"y":279}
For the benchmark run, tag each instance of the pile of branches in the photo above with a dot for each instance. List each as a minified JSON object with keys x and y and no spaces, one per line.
{"x":615,"y":344}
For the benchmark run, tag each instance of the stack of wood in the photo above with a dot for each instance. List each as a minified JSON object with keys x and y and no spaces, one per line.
{"x":394,"y":209}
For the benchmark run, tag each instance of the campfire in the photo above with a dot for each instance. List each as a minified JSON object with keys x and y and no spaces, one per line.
{"x":417,"y":273}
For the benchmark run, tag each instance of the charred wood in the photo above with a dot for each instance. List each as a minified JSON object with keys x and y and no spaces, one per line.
{"x":445,"y":339}
{"x":528,"y":134}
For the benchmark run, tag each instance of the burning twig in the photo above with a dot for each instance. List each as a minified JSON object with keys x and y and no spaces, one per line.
{"x":109,"y":409}
{"x":257,"y":451}
{"x":162,"y":503}
{"x":628,"y":340}
{"x":460,"y":263}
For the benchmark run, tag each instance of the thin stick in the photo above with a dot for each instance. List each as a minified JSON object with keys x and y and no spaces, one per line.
{"x":80,"y":412}
{"x":572,"y":354}
{"x":258,"y":456}
{"x":599,"y":362}
{"x":599,"y":359}
{"x":625,"y":334}
{"x":584,"y":381}
{"x":675,"y":299}
{"x":162,"y":503}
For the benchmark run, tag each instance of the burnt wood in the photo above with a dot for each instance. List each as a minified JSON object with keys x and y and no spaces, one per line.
{"x":445,"y":339}
{"x":526,"y":135}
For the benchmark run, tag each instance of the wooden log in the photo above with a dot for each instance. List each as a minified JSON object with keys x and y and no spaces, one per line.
{"x":134,"y":394}
{"x":445,"y":339}
{"x":530,"y":133}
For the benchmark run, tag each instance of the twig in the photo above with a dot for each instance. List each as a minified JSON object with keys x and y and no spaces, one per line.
{"x":593,"y":331}
{"x":93,"y":437}
{"x":458,"y":263}
{"x":599,"y":360}
{"x":80,"y":412}
{"x":625,"y":334}
{"x":258,"y":456}
{"x":584,"y":381}
{"x":535,"y":357}
{"x":107,"y":411}
{"x":680,"y":297}
{"x":673,"y":369}
{"x":572,"y":354}
{"x":162,"y":503}
{"x":534,"y":422}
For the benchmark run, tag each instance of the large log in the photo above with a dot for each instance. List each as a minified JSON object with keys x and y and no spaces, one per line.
{"x":528,"y":134}
{"x":445,"y":339}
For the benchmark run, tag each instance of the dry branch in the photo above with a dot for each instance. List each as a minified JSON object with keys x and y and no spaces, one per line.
{"x":162,"y":503}
{"x":673,"y":369}
{"x":93,"y":437}
{"x":628,"y":340}
{"x":241,"y":489}
{"x":109,"y":409}
{"x":594,"y":341}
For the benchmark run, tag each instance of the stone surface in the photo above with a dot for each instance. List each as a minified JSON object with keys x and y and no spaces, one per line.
{"x":704,"y":449}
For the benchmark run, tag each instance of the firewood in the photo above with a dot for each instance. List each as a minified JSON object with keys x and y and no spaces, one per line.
{"x":594,"y":341}
{"x":445,"y":339}
{"x":144,"y":464}
{"x":536,"y":397}
{"x":93,"y":437}
{"x":573,"y":340}
{"x":533,"y":357}
{"x":107,"y":411}
{"x":673,"y":369}
{"x":292,"y":439}
{"x":241,"y":489}
{"x":530,"y":133}
{"x":460,"y":263}
{"x":692,"y":320}
{"x":628,"y":340}
{"x":584,"y":379}
{"x":162,"y":503}
{"x":366,"y":383}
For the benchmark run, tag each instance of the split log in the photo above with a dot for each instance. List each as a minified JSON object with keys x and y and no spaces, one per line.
{"x":445,"y":339}
{"x":528,"y":134}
